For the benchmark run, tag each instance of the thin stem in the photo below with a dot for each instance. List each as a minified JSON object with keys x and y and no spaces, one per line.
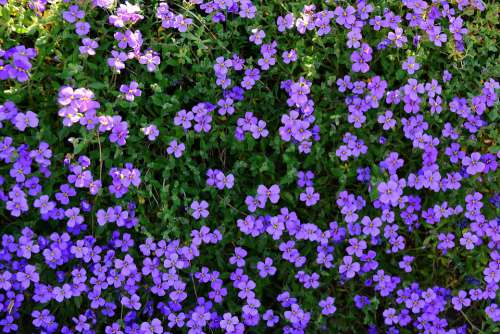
{"x":474,"y":327}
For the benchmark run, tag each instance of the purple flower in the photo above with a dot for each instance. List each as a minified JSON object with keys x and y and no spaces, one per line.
{"x":272,"y":193}
{"x":349,"y":267}
{"x":117,"y":61}
{"x":119,"y":133}
{"x":82,"y":28}
{"x":28,"y":275}
{"x":309,"y":196}
{"x":410,"y":65}
{"x":200,"y":209}
{"x":239,"y":257}
{"x":406,"y":263}
{"x":259,"y":130}
{"x":229,"y":323}
{"x":176,"y":149}
{"x":24,"y":120}
{"x":44,"y":204}
{"x":285,"y":22}
{"x":266,"y":268}
{"x":397,"y":37}
{"x":473,"y":163}
{"x":389,"y":192}
{"x":390,"y":316}
{"x":289,"y":56}
{"x":345,"y":17}
{"x":460,"y":301}
{"x":88,"y":47}
{"x":184,"y":118}
{"x":131,"y":91}
{"x":327,"y":306}
{"x":151,"y":59}
{"x":151,"y":131}
{"x":360,"y":62}
{"x":224,"y":181}
{"x":73,"y":14}
{"x":257,"y":36}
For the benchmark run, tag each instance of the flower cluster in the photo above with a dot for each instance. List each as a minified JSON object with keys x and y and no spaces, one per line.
{"x":170,"y":20}
{"x":220,"y":9}
{"x":352,"y":147}
{"x":78,"y":106}
{"x":123,"y":178}
{"x":20,"y":120}
{"x":298,"y":125}
{"x":15,"y":63}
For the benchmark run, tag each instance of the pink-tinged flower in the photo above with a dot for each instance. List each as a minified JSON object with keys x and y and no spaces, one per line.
{"x":151,"y":59}
{"x":397,"y":37}
{"x":176,"y":149}
{"x":289,"y":56}
{"x":257,"y":36}
{"x":88,"y":47}
{"x":151,"y":131}
{"x":131,"y":91}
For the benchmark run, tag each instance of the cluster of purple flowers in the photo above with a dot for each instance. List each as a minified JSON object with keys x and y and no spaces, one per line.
{"x":130,"y":42}
{"x":15,"y":63}
{"x":75,"y":15}
{"x":200,"y":114}
{"x":298,"y":125}
{"x":123,"y":178}
{"x":170,"y":20}
{"x":20,"y":120}
{"x":81,"y":176}
{"x":119,"y":216}
{"x":126,"y":14}
{"x":216,"y":178}
{"x":79,"y":106}
{"x":252,"y":124}
{"x":309,"y":196}
{"x":352,"y":147}
{"x":38,"y":6}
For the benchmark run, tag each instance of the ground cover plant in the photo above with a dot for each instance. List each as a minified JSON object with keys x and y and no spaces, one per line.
{"x":244,"y":166}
